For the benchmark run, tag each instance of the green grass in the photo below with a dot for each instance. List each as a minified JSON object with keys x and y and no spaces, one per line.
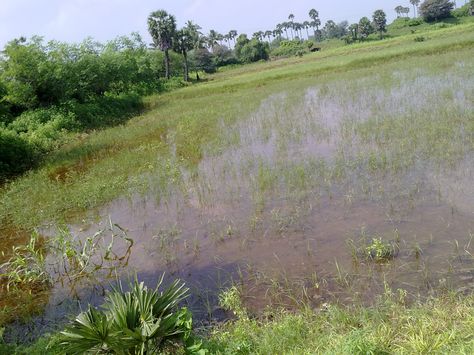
{"x":443,"y":325}
{"x":97,"y":167}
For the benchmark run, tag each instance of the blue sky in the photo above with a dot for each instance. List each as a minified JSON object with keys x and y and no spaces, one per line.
{"x":73,"y":20}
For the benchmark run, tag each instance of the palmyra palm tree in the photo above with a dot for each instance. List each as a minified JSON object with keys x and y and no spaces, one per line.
{"x":162,"y":28}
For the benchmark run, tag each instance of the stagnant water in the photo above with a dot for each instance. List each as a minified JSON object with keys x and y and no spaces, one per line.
{"x":285,"y":209}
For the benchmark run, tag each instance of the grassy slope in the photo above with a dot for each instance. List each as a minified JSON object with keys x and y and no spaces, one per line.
{"x":102,"y":165}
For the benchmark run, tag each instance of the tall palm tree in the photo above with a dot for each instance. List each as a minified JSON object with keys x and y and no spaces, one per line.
{"x":284,"y":27}
{"x":233,"y":35}
{"x":415,"y":4}
{"x":212,"y":39}
{"x":316,"y":22}
{"x":399,"y":10}
{"x":269,"y":35}
{"x":162,"y":28}
{"x":291,"y":25}
{"x":185,"y":40}
{"x":306,"y":27}
{"x":277,"y":32}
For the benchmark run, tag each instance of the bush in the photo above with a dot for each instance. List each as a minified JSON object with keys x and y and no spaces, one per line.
{"x":16,"y":154}
{"x":434,"y":10}
{"x":254,"y":51}
{"x":415,"y":22}
{"x":140,"y":321}
{"x":462,"y":11}
{"x":291,"y":48}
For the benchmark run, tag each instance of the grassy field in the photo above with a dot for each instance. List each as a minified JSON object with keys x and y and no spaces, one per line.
{"x":378,"y":133}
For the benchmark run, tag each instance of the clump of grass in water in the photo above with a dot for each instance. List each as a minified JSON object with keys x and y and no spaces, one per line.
{"x":379,"y":250}
{"x":26,"y":267}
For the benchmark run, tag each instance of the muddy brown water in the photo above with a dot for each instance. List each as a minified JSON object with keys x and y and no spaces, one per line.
{"x":263,"y":216}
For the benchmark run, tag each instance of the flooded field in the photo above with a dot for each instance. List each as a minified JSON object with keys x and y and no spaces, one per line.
{"x":331,"y":193}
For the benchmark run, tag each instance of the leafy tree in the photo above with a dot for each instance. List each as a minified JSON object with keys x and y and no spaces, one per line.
{"x":415,"y":4}
{"x":223,"y":56}
{"x":365,"y":28}
{"x":433,"y":10}
{"x":162,"y":28}
{"x":354,"y":31}
{"x":248,"y":51}
{"x":380,"y":22}
{"x":202,"y":59}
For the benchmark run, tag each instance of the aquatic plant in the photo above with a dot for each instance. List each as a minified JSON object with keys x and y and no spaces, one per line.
{"x":379,"y":250}
{"x":26,"y":267}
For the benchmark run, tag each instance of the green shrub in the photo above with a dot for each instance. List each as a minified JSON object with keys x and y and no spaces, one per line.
{"x":415,"y":22}
{"x":254,"y":51}
{"x":16,"y":154}
{"x":140,"y":321}
{"x":462,"y":11}
{"x":291,"y":48}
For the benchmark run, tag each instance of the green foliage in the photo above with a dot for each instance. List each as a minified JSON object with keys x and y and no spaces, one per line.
{"x":415,"y":22}
{"x":26,"y":267}
{"x":16,"y":154}
{"x":419,"y":39}
{"x":203,"y":60}
{"x":253,"y":51}
{"x":433,"y":10}
{"x":380,"y":22}
{"x":223,"y":56}
{"x":365,"y":28}
{"x":291,"y":48}
{"x":230,"y":300}
{"x":463,"y":11}
{"x":378,"y":250}
{"x":442,"y":325}
{"x":140,"y":321}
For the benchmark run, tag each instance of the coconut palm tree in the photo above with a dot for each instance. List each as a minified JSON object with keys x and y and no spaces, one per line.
{"x":233,"y":35}
{"x":162,"y":28}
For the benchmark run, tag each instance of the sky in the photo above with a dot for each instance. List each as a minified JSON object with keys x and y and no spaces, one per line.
{"x":74,"y":20}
